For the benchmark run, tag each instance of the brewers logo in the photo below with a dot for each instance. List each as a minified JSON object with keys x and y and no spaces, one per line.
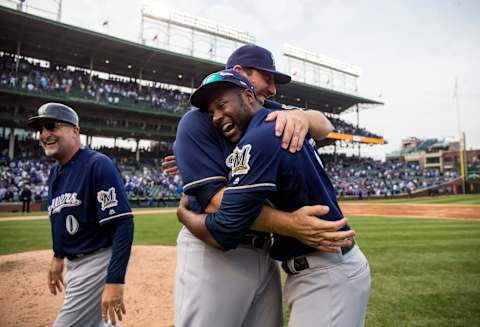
{"x":62,"y":201}
{"x":237,"y":161}
{"x":108,"y":199}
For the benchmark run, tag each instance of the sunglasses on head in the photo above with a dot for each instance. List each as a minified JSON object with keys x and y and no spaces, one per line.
{"x":49,"y":126}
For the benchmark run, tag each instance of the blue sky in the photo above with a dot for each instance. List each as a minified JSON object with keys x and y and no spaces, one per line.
{"x":409,"y":51}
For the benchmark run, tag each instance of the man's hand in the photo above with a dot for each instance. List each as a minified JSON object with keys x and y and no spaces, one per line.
{"x":112,"y":303}
{"x":169,"y":165}
{"x":320,"y":234}
{"x":55,"y":276}
{"x":293,"y":124}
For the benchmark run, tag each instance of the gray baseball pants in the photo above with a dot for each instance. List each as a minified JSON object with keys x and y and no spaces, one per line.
{"x":333,"y":292}
{"x":84,"y":282}
{"x":238,"y":288}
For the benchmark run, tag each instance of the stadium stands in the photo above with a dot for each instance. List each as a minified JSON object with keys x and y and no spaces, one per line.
{"x":341,"y":126}
{"x":76,"y":83}
{"x":146,"y":185}
{"x":364,"y":177}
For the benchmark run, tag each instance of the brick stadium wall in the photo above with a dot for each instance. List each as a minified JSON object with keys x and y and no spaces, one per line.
{"x":17,"y":206}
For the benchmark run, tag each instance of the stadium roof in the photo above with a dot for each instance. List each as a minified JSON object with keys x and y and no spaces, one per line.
{"x":65,"y":44}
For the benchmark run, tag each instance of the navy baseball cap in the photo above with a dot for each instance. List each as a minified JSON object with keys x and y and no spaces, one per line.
{"x":54,"y":111}
{"x":202,"y":95}
{"x":253,"y":56}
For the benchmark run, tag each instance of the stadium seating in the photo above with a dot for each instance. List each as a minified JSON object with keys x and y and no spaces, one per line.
{"x":147,"y":185}
{"x":363,"y":177}
{"x":78,"y":84}
{"x":341,"y":126}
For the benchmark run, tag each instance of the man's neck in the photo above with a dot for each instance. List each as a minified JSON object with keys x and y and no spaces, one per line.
{"x":256,"y":106}
{"x":63,"y":161}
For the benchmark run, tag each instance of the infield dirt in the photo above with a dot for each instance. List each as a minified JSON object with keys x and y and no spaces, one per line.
{"x":25,"y":300}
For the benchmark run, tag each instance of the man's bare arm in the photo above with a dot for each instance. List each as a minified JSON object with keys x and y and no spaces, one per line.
{"x":318,"y":124}
{"x":195,"y":223}
{"x":294,"y":125}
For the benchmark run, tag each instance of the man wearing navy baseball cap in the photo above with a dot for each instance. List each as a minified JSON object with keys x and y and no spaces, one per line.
{"x":259,"y":171}
{"x":241,"y":288}
{"x":228,"y":77}
{"x":253,"y":56}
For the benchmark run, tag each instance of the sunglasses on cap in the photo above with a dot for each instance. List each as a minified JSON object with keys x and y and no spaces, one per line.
{"x":50,"y":126}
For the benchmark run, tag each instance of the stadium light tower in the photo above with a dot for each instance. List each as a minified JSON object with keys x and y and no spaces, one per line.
{"x":194,"y":36}
{"x":461,"y":135}
{"x":313,"y":68}
{"x":41,"y":10}
{"x":59,"y":10}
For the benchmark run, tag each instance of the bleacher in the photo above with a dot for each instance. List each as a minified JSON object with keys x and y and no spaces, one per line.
{"x":71,"y":83}
{"x":366,"y":177}
{"x":61,"y":81}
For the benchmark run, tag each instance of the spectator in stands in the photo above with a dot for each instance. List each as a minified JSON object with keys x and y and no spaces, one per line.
{"x":26,"y":197}
{"x":115,"y":91}
{"x":79,"y":83}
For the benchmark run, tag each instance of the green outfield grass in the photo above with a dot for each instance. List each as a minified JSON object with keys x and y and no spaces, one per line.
{"x":21,"y":236}
{"x":446,"y":199}
{"x":424,"y":272}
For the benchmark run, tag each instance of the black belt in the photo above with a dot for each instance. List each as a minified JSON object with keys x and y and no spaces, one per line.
{"x":80,"y":255}
{"x":301,"y":263}
{"x":257,"y":241}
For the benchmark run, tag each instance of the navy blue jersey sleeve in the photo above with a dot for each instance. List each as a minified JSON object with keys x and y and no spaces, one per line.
{"x":121,"y":247}
{"x":236,"y":215}
{"x":255,"y":166}
{"x":200,"y":154}
{"x":112,"y":202}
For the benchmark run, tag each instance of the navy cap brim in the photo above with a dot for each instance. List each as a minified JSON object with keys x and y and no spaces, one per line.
{"x":202,"y":95}
{"x":33,"y":122}
{"x":280,"y":78}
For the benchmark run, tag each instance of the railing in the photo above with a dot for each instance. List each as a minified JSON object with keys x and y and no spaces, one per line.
{"x":84,"y":97}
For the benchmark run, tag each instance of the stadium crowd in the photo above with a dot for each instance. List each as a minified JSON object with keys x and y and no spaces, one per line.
{"x":148,"y":185}
{"x":144,"y":182}
{"x":59,"y":80}
{"x":342,"y":127}
{"x":78,"y":83}
{"x":364,"y":177}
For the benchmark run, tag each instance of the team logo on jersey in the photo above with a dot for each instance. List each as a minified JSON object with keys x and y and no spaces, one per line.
{"x":62,"y":201}
{"x":237,"y":161}
{"x":108,"y":199}
{"x":71,"y":224}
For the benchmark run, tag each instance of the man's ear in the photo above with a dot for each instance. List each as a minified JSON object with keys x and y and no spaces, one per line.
{"x":239,"y":69}
{"x":249,"y":96}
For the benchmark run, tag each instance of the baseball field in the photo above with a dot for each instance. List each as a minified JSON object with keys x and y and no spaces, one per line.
{"x":423,"y":254}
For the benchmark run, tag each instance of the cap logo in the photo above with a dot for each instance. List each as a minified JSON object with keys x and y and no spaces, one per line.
{"x":273,"y":60}
{"x":212,"y":78}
